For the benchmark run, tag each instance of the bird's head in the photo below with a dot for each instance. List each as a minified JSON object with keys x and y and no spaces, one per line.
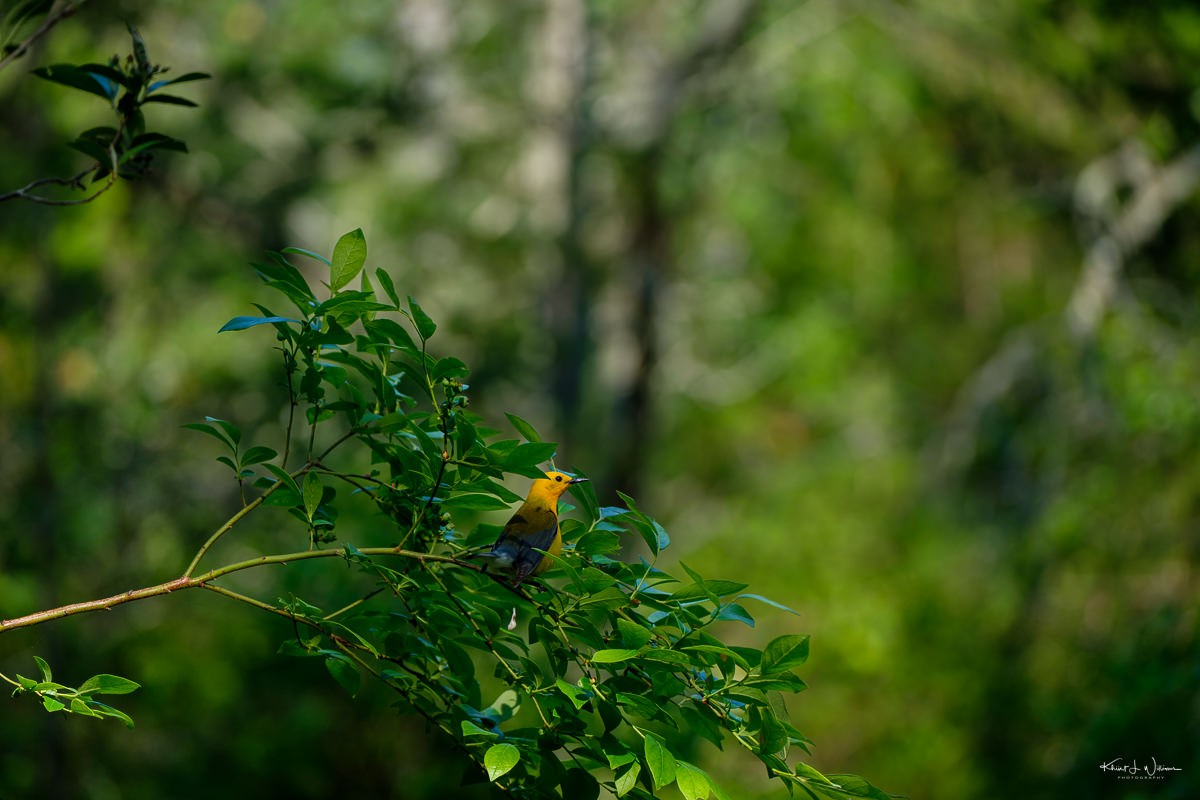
{"x":555,"y":483}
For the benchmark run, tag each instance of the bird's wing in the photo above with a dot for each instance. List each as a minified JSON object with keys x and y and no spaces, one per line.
{"x":521,"y":540}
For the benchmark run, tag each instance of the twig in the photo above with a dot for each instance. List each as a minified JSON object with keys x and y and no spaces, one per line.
{"x":200,"y":581}
{"x":65,"y":10}
{"x":1118,"y":232}
{"x":228,"y":526}
{"x":75,"y":183}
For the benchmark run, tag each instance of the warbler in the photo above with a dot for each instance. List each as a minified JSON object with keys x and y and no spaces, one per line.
{"x":533,"y":530}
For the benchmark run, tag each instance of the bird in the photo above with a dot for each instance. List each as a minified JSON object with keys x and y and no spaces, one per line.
{"x":533,"y":530}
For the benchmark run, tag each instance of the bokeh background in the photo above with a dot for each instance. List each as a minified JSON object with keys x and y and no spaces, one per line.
{"x":888,"y":308}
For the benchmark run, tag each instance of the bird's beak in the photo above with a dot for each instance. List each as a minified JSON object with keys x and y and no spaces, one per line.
{"x":578,"y":480}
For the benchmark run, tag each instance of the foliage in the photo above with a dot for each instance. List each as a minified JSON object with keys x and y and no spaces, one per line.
{"x":59,"y":697}
{"x":126,"y":150}
{"x":613,"y":659}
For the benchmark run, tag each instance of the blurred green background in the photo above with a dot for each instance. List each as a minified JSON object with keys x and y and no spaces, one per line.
{"x":822,"y":284}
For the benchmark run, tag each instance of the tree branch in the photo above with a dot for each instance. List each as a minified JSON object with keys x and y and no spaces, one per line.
{"x":1117,"y":233}
{"x":200,"y":581}
{"x":67,"y":9}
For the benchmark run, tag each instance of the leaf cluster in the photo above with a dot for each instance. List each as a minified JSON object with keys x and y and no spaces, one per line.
{"x":82,"y":700}
{"x":126,"y":148}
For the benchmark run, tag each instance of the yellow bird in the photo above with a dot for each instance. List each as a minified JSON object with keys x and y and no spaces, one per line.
{"x":532,"y":529}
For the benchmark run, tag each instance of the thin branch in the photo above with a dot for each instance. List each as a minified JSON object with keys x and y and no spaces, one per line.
{"x":76,"y":183}
{"x":1124,"y":231}
{"x":351,"y":606}
{"x":186,"y":582}
{"x":228,"y":526}
{"x":65,"y":10}
{"x":1118,"y":232}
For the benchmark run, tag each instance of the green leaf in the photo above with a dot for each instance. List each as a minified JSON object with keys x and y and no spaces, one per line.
{"x":108,"y":684}
{"x":576,"y":694}
{"x":300,"y":251}
{"x":627,"y":780}
{"x":211,"y":431}
{"x":389,"y":288}
{"x":854,"y":786}
{"x":242,"y":323}
{"x":613,"y":656}
{"x":190,"y":76}
{"x":285,"y":477}
{"x":651,"y":532}
{"x":709,"y":588}
{"x":779,"y":682}
{"x":735,"y":613}
{"x":769,"y":602}
{"x":343,"y":670}
{"x":44,"y":668}
{"x":499,"y":759}
{"x":421,"y":321}
{"x":633,"y":635}
{"x":282,"y":275}
{"x":313,"y":491}
{"x":784,"y":653}
{"x":528,"y":455}
{"x":152,"y":141}
{"x":170,"y":99}
{"x":78,"y":78}
{"x":774,"y":734}
{"x":523,"y":428}
{"x":257,"y":455}
{"x":449,"y":367}
{"x":692,"y":781}
{"x":723,"y":652}
{"x":659,"y":759}
{"x":349,"y":256}
{"x":52,"y":704}
{"x":109,"y":711}
{"x":390,"y":331}
{"x":81,"y":706}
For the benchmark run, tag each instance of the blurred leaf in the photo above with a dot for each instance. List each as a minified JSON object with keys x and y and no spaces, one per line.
{"x":77,"y":78}
{"x":523,"y":428}
{"x":349,"y":256}
{"x":313,"y":491}
{"x":343,"y":670}
{"x":300,"y":251}
{"x":241,"y":323}
{"x":170,"y":99}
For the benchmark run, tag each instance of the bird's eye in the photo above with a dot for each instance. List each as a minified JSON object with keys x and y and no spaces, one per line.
{"x":558,"y":478}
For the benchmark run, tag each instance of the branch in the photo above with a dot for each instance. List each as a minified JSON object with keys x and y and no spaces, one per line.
{"x":1123,"y":231}
{"x":1117,"y":233}
{"x":200,"y":581}
{"x":723,"y":30}
{"x":234,"y":520}
{"x":65,"y":10}
{"x":75,"y":183}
